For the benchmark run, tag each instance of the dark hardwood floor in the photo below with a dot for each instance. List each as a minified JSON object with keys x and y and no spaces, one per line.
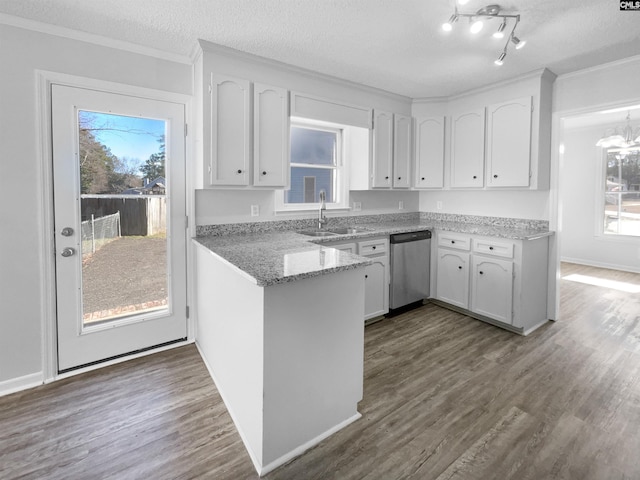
{"x":445,"y":397}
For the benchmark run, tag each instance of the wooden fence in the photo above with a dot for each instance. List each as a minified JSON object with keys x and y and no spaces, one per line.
{"x":139,"y":214}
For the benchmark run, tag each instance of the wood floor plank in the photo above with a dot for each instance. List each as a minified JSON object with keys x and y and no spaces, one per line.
{"x":445,"y":397}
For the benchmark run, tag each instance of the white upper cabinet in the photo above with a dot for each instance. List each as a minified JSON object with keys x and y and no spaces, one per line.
{"x":401,"y":151}
{"x":382,"y":149}
{"x":429,"y":152}
{"x":230,"y":153}
{"x":509,"y":143}
{"x":271,"y":136}
{"x":467,"y":149}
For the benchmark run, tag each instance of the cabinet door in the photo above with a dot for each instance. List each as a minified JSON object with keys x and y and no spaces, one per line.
{"x":382,"y":149}
{"x":401,"y":151}
{"x":467,"y":149}
{"x":429,"y":152}
{"x":270,"y":136}
{"x":230,"y":131}
{"x":509,"y":143}
{"x":452,"y":277}
{"x":376,"y":288}
{"x":492,"y":288}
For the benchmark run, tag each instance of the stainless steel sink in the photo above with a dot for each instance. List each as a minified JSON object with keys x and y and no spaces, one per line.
{"x":348,"y":230}
{"x":318,"y":233}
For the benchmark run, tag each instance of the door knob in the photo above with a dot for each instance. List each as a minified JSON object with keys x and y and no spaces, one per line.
{"x":68,"y":252}
{"x":66,"y":232}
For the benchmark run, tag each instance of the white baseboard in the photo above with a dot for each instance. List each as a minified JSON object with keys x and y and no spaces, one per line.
{"x":21,"y":383}
{"x":610,"y":266}
{"x":306,"y":446}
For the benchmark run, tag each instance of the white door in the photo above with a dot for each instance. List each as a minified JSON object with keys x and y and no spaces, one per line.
{"x":120,"y":229}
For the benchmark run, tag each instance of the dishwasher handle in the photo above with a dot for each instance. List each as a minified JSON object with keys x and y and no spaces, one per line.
{"x":409,"y":237}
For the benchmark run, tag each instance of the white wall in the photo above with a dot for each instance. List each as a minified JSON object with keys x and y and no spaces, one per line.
{"x":218,"y":206}
{"x":532,"y":205}
{"x":576,"y":94}
{"x":22,"y":52}
{"x":581,"y":175}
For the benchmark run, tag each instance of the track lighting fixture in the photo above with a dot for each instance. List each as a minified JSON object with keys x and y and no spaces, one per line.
{"x":478,"y":19}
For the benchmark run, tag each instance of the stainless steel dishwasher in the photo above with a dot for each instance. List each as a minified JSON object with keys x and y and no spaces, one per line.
{"x":410,"y":263}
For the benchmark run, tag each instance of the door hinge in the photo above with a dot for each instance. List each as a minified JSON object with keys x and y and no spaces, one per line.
{"x":187,"y":312}
{"x":186,"y":221}
{"x":186,"y":129}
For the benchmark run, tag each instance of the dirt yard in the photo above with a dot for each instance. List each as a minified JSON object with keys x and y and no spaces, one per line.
{"x":125,"y":276}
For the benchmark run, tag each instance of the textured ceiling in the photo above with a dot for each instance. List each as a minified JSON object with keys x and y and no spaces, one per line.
{"x":396,"y":45}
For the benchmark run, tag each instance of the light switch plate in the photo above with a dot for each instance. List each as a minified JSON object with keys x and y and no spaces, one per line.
{"x":400,"y":205}
{"x":357,"y":206}
{"x":255,"y":210}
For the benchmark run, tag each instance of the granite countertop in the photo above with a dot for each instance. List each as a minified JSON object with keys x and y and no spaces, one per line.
{"x":279,"y":257}
{"x":271,"y":258}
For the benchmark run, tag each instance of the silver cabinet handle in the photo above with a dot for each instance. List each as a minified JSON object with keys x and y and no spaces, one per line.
{"x":68,"y":252}
{"x":66,"y":232}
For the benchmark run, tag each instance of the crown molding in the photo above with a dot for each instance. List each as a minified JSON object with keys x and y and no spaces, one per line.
{"x":100,"y":40}
{"x":598,"y":68}
{"x":250,"y":57}
{"x":543,"y":74}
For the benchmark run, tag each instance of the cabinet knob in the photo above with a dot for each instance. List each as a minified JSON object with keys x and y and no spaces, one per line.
{"x":264,"y":173}
{"x":374,"y":247}
{"x":495,"y":176}
{"x":399,"y":178}
{"x":239,"y":171}
{"x":490,"y":248}
{"x":386,"y":178}
{"x":481,"y":272}
{"x":366,"y":276}
{"x":422,"y":178}
{"x":459,"y":267}
{"x":475,"y":176}
{"x":453,"y":241}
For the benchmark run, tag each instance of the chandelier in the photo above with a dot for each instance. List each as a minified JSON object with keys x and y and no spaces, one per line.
{"x":620,"y":136}
{"x":476,"y":24}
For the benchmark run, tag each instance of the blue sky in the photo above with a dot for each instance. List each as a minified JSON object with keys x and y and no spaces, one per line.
{"x":131,"y":137}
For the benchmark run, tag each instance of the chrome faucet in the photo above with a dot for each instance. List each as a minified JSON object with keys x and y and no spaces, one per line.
{"x":322,"y":219}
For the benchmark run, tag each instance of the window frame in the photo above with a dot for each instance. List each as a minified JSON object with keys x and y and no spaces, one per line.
{"x":341,"y":180}
{"x":601,"y":196}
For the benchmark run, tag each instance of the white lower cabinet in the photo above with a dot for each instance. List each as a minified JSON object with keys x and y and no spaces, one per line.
{"x":376,"y":275}
{"x":452,"y":278}
{"x":498,"y":280}
{"x":492,"y":288}
{"x":376,"y":289}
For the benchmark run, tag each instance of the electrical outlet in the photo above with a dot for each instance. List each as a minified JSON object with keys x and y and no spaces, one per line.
{"x":255,"y":210}
{"x":439,"y":205}
{"x":400,"y":205}
{"x":357,"y":206}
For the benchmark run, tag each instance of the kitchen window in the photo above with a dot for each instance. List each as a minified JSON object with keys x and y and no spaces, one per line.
{"x":621,"y":192}
{"x":317,"y":164}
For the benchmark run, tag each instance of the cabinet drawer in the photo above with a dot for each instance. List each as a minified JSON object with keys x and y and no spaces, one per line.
{"x":452,"y":240}
{"x":492,"y":247}
{"x":372,"y":247}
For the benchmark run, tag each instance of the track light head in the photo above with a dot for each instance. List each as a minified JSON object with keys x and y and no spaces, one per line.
{"x":448,"y":26}
{"x":476,"y":26}
{"x":500,"y":32}
{"x":517,"y":42}
{"x":500,"y":60}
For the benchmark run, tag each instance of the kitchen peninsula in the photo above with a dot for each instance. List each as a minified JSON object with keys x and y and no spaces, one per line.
{"x":280,"y":329}
{"x":280,"y":314}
